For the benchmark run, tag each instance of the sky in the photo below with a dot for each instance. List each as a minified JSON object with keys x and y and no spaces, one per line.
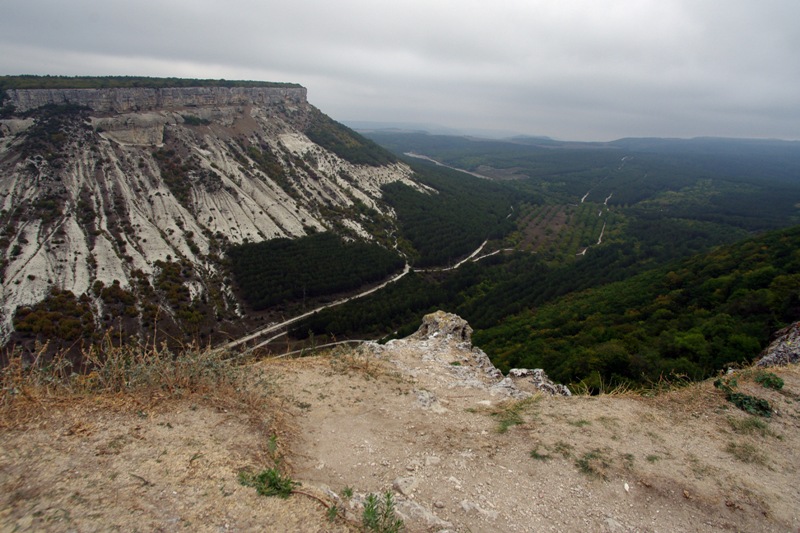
{"x":584,"y":70}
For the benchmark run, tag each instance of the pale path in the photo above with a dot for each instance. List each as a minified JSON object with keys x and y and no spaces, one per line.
{"x":445,"y":269}
{"x":274,"y":327}
{"x":426,"y":158}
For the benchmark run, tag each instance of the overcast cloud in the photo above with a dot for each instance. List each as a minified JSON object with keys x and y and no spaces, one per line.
{"x":571,"y":69}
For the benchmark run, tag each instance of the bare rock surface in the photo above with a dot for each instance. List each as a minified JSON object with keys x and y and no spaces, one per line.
{"x":125,"y":99}
{"x":785,"y":349}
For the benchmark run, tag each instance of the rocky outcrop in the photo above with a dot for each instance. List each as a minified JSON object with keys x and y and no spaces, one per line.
{"x":442,"y":348}
{"x":537,"y":378}
{"x":124,"y":100}
{"x":785,"y":349}
{"x":444,"y":326}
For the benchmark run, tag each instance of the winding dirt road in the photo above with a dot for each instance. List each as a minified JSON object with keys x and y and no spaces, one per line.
{"x":277,"y":327}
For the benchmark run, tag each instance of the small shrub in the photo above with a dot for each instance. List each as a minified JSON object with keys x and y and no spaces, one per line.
{"x":745,"y":402}
{"x":193,"y":120}
{"x":269,"y":482}
{"x":769,"y":380}
{"x":750,"y":404}
{"x":379,"y":514}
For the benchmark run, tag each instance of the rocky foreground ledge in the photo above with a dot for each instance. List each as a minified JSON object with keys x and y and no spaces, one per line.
{"x":463,"y":448}
{"x":427,"y":420}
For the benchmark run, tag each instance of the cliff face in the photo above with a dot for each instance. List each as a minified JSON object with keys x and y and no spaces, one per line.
{"x":142,"y":190}
{"x":124,"y":100}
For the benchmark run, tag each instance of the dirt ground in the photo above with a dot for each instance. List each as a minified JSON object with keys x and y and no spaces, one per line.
{"x":421,"y":419}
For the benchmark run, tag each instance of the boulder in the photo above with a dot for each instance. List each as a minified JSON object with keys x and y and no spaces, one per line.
{"x":441,"y":325}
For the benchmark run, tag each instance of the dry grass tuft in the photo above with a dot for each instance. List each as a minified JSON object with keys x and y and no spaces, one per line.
{"x":128,"y":374}
{"x":359,"y":360}
{"x":746,"y":453}
{"x":697,"y":397}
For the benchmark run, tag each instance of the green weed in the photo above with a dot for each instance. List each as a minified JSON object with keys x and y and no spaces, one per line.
{"x":510,"y":414}
{"x":628,"y":459}
{"x":769,"y":380}
{"x":579,"y":423}
{"x":332,"y":513}
{"x":751,"y":425}
{"x":564,"y":448}
{"x":379,"y":514}
{"x":269,"y":482}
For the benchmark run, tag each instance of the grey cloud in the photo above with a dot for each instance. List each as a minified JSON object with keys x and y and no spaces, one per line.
{"x":578,"y":70}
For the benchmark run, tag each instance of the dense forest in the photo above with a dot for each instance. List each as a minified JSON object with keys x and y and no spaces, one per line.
{"x":690,"y":318}
{"x":281,"y":270}
{"x":747,"y":184}
{"x":598,"y":237}
{"x":462,"y":212}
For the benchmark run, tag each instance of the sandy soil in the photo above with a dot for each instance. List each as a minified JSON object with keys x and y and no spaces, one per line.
{"x":419,"y":418}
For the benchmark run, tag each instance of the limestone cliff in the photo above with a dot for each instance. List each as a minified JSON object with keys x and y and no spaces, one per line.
{"x":136,"y":188}
{"x":125,"y":100}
